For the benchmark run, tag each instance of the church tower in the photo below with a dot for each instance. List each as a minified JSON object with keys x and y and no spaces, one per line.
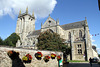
{"x":25,"y":24}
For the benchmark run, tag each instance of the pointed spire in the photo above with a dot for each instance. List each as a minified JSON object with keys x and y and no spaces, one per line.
{"x":86,"y":22}
{"x":20,"y":12}
{"x":27,"y":10}
{"x":57,"y":21}
{"x":85,"y":18}
{"x":49,"y":15}
{"x":33,"y":14}
{"x":41,"y":24}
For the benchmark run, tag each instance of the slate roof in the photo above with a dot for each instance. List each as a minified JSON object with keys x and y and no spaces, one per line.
{"x":36,"y":32}
{"x":73,"y":25}
{"x":65,"y":27}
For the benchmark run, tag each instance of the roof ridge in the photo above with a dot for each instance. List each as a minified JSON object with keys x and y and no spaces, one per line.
{"x":51,"y":18}
{"x":48,"y":18}
{"x":73,"y":25}
{"x":73,"y":22}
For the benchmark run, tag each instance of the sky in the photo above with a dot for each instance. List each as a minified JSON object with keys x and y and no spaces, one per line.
{"x":67,"y":11}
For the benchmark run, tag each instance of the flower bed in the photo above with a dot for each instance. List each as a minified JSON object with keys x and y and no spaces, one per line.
{"x":46,"y":58}
{"x":38,"y":55}
{"x":58,"y":58}
{"x":27,"y":58}
{"x":53,"y":56}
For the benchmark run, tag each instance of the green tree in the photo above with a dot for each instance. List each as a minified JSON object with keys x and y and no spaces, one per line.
{"x":11,"y":40}
{"x":7,"y":42}
{"x":99,"y":55}
{"x":49,"y":40}
{"x":1,"y":41}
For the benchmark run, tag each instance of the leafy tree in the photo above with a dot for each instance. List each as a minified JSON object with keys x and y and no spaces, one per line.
{"x":99,"y":55}
{"x":49,"y":40}
{"x":1,"y":41}
{"x":11,"y":40}
{"x":8,"y":42}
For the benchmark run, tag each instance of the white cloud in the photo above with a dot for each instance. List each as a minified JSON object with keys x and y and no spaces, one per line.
{"x":93,"y":43}
{"x":92,"y":40}
{"x":1,"y":12}
{"x":98,"y":50}
{"x":41,"y":8}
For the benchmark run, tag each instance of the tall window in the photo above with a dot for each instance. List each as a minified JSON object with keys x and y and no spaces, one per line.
{"x":20,"y":43}
{"x":23,"y":19}
{"x":80,"y":33}
{"x":79,"y":49}
{"x":49,"y":22}
{"x":69,"y":36}
{"x":34,"y":42}
{"x":20,"y":18}
{"x":79,"y":45}
{"x":51,"y":31}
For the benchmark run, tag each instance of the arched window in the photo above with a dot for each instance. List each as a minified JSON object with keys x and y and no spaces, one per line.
{"x":20,"y":43}
{"x":20,"y":18}
{"x":80,"y":33}
{"x":23,"y":19}
{"x":51,"y":31}
{"x":49,"y":22}
{"x":34,"y":42}
{"x":69,"y":35}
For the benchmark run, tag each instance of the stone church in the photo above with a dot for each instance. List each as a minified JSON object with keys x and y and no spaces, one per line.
{"x":76,"y":34}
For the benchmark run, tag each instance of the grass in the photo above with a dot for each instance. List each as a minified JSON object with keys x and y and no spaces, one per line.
{"x":76,"y":61}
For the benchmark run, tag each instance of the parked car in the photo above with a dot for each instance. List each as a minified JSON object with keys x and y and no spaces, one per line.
{"x":95,"y":60}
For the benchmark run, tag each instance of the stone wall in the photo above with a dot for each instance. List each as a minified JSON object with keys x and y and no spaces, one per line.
{"x":95,"y":54}
{"x":5,"y":61}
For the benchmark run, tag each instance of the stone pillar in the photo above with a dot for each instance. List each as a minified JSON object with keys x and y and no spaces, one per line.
{"x":72,"y":40}
{"x":18,"y":43}
{"x":18,"y":26}
{"x":33,"y":25}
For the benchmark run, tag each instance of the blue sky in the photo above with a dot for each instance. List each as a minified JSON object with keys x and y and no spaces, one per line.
{"x":67,"y":11}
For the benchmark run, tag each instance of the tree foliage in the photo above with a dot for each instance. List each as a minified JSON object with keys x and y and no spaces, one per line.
{"x":51,"y":41}
{"x":11,"y":40}
{"x":99,"y":55}
{"x":1,"y":41}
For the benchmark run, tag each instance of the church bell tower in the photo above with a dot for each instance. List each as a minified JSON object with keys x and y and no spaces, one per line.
{"x":25,"y":24}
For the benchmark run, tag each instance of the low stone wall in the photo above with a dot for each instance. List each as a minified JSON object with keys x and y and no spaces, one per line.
{"x":5,"y":61}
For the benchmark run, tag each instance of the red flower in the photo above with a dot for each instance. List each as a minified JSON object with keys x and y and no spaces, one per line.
{"x":10,"y":53}
{"x":58,"y":57}
{"x":40,"y":53}
{"x":47,"y":57}
{"x":53,"y":54}
{"x":29,"y":56}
